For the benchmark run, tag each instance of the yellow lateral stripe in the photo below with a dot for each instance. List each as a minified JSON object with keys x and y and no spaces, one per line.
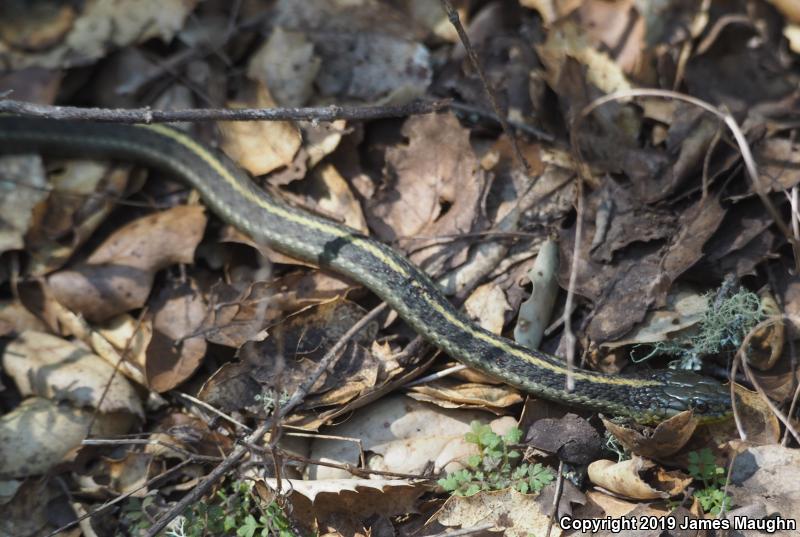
{"x":529,"y":357}
{"x":217,"y":166}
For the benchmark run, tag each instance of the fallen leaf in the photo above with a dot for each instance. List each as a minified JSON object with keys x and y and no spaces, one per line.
{"x":626,"y":478}
{"x":48,"y":366}
{"x":79,"y":37}
{"x":23,"y":187}
{"x":405,"y":436}
{"x":448,"y":393}
{"x":437,"y":167}
{"x":177,"y":346}
{"x":27,"y":432}
{"x":259,"y":146}
{"x":515,"y":514}
{"x":287,"y":65}
{"x":488,"y":306}
{"x":767,"y":477}
{"x":118,"y":275}
{"x":666,"y":439}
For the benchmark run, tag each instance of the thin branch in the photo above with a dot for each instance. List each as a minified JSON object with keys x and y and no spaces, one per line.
{"x":452,"y":14}
{"x":225,"y":466}
{"x":147,"y":115}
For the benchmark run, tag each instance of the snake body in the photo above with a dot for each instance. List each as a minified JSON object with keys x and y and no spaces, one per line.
{"x":230,"y":193}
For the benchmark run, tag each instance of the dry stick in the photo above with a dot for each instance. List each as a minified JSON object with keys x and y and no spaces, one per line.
{"x":466,"y":531}
{"x":147,"y":115}
{"x":556,"y":497}
{"x":452,"y":14}
{"x":524,"y":127}
{"x":573,"y":278}
{"x":240,"y":450}
{"x":122,"y":357}
{"x":145,"y":442}
{"x":736,"y":131}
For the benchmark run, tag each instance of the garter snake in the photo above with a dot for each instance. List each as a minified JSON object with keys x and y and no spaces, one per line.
{"x":230,"y":193}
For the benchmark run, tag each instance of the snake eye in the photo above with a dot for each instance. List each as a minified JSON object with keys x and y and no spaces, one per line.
{"x":699,"y":406}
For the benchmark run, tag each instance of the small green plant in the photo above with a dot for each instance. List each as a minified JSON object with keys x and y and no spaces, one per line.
{"x":496,"y":466}
{"x":722,"y":328}
{"x":703,"y":468}
{"x":232,"y":511}
{"x":613,"y":445}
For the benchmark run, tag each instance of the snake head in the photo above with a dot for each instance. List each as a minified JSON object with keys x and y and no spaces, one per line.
{"x":683,"y":390}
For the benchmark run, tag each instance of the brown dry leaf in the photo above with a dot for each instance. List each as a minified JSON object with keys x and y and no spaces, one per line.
{"x":666,"y":439}
{"x":287,"y":65}
{"x":618,"y":27}
{"x":404,"y":436}
{"x":565,"y":41}
{"x":27,"y":434}
{"x":767,"y":477}
{"x":640,"y":274}
{"x":488,"y":306}
{"x":778,"y":163}
{"x":517,"y":515}
{"x":23,"y":187}
{"x":321,"y":500}
{"x":327,"y":191}
{"x":742,"y":241}
{"x":757,"y":420}
{"x":129,"y":473}
{"x":571,"y":438}
{"x":117,"y":277}
{"x":54,"y":35}
{"x":82,"y":193}
{"x":259,"y":146}
{"x":625,"y":478}
{"x":766,"y":343}
{"x":368,"y":51}
{"x":736,"y":75}
{"x":684,"y":310}
{"x":177,"y":346}
{"x":29,"y":508}
{"x":238,"y":313}
{"x":448,"y":393}
{"x":15,"y":319}
{"x":437,"y":167}
{"x":48,"y":366}
{"x":192,"y":434}
{"x":552,"y":10}
{"x":130,"y":337}
{"x":611,"y":505}
{"x":284,"y":360}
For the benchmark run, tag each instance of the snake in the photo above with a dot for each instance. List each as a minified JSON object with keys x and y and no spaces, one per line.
{"x":645,"y":398}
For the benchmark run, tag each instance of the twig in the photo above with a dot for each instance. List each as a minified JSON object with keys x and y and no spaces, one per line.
{"x":556,"y":498}
{"x":524,"y":127}
{"x":573,"y":277}
{"x":213,"y":410}
{"x":452,"y":14}
{"x":145,"y":442}
{"x":240,"y":450}
{"x":147,"y":115}
{"x":465,"y":531}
